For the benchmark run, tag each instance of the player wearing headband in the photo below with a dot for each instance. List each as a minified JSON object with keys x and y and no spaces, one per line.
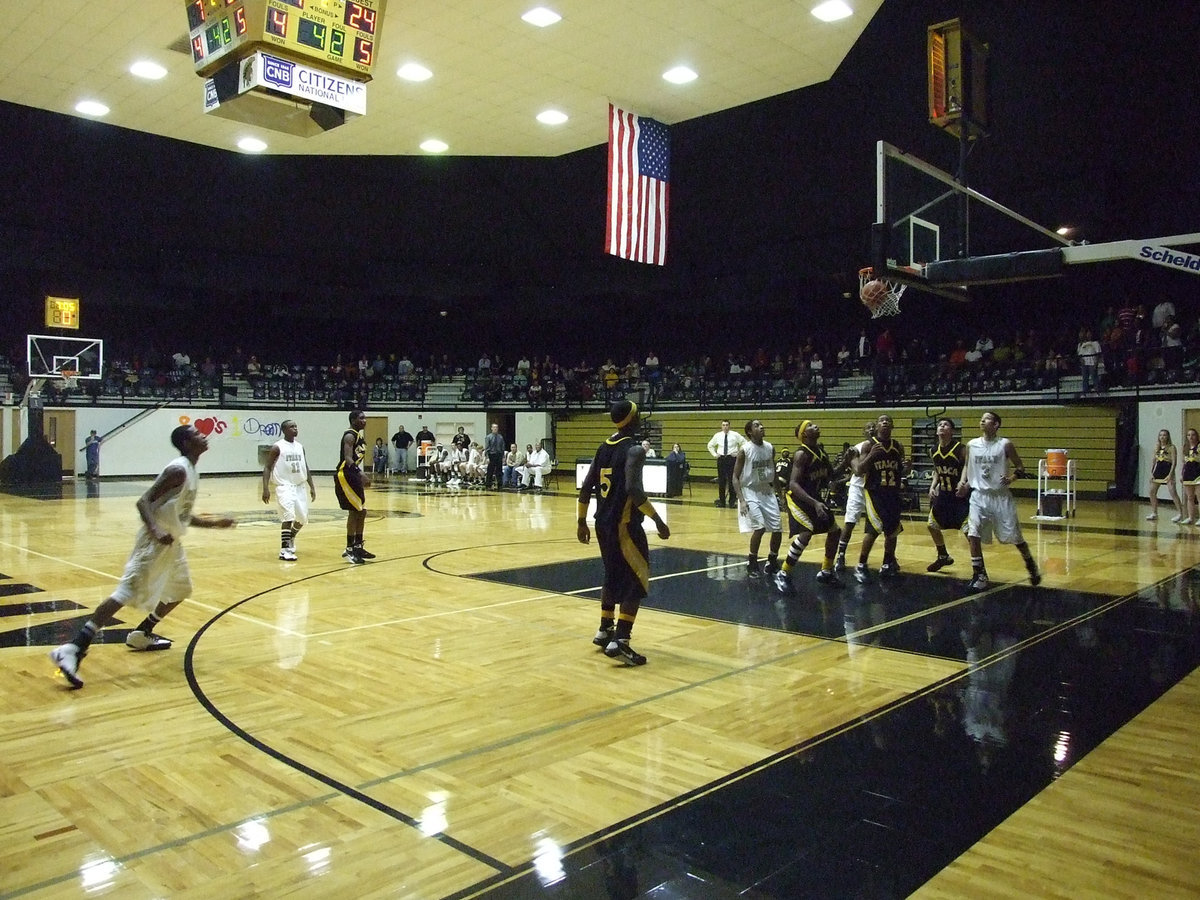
{"x":615,"y":478}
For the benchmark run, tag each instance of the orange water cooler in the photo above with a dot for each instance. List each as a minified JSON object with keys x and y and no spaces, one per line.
{"x":1056,"y":485}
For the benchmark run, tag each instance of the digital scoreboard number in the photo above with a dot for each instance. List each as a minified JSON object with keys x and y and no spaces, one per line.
{"x":341,"y":35}
{"x":62,"y":312}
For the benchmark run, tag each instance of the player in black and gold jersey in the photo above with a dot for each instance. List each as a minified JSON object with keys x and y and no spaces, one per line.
{"x":808,"y":513}
{"x":883,"y":466}
{"x":349,"y":485}
{"x":615,"y":477}
{"x":946,"y":509}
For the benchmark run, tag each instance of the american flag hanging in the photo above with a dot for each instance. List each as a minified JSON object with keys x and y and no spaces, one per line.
{"x":639,"y":167}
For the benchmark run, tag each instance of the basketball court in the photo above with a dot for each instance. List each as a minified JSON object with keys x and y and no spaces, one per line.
{"x":437,"y":723}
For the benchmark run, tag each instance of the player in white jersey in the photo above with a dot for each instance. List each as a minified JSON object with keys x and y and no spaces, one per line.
{"x":757,"y":503}
{"x":287,"y":468}
{"x":987,"y":475}
{"x":156,"y":577}
{"x":855,"y":505}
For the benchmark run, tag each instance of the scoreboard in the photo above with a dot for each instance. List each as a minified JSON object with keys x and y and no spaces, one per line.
{"x":341,"y":35}
{"x":62,"y":312}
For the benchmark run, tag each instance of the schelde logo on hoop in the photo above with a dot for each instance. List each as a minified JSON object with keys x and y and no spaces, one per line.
{"x":277,"y":71}
{"x":1168,"y":258}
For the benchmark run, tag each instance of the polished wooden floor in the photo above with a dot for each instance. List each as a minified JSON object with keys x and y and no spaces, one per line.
{"x":436,"y":723}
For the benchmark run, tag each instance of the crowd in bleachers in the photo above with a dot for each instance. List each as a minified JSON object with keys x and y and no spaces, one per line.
{"x":1125,"y":347}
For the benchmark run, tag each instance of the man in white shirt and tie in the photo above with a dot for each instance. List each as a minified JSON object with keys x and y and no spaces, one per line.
{"x":724,"y":447}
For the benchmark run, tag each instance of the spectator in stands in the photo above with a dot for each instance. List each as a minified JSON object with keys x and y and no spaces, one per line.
{"x":404,"y":368}
{"x":650,"y":454}
{"x":985,"y":346}
{"x":1089,"y":351}
{"x":1172,"y":345}
{"x":958,"y":356}
{"x":1126,"y":318}
{"x":1163,"y":310}
{"x":885,"y":348}
{"x":609,"y":374}
{"x":862,"y":350}
{"x":1003,"y":353}
{"x":536,"y":392}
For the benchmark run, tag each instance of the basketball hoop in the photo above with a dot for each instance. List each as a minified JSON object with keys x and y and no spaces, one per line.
{"x":880,"y":295}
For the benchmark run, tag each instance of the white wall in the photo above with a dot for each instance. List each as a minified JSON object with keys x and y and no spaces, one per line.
{"x":234,"y":436}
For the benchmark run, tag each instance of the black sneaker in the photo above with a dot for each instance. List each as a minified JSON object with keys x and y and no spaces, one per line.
{"x":889,"y":570}
{"x":839,"y":564}
{"x":360,"y":550}
{"x":352,"y":557}
{"x":753,"y":571}
{"x":829,"y":577}
{"x":771,"y":567}
{"x":604,"y":637}
{"x":940,"y":563}
{"x":1035,"y":577}
{"x":862,"y":574}
{"x":619,"y":648}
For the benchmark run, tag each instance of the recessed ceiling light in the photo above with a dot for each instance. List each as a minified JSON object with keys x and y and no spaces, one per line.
{"x":832,"y":10}
{"x":551,"y":117}
{"x":679,"y":75}
{"x":252,"y":145}
{"x":91,"y":108}
{"x":143,"y":68}
{"x":541,"y":17}
{"x":414,"y":72}
{"x":433,"y":145}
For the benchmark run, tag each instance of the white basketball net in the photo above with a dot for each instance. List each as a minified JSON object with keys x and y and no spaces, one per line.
{"x":891,"y":303}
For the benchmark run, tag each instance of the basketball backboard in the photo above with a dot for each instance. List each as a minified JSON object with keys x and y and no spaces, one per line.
{"x":51,"y":356}
{"x":940,"y":236}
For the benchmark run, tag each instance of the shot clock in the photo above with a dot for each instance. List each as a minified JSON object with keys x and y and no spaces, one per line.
{"x":340,"y":35}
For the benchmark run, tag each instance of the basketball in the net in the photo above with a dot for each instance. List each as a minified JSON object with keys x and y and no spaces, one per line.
{"x":873,"y":294}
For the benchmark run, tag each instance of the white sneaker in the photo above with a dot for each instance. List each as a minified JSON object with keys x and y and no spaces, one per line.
{"x":1177,"y":518}
{"x":288,"y":554}
{"x":66,"y":658}
{"x":1152,"y":517}
{"x":146,"y":640}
